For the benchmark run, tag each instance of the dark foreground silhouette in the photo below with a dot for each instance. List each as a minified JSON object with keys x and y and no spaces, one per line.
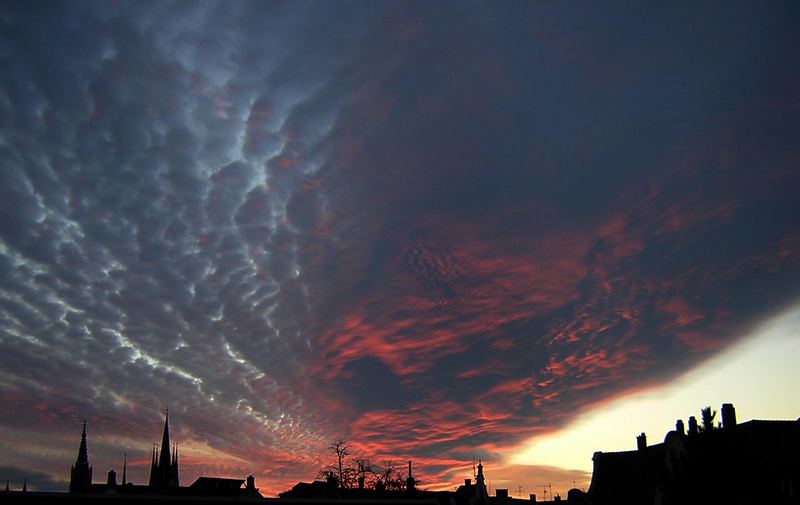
{"x":756,"y":462}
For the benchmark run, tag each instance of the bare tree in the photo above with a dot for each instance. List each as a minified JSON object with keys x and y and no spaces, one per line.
{"x":357,"y":471}
{"x":390,"y":477}
{"x":327,"y":472}
{"x":363,"y":471}
{"x":341,"y":449}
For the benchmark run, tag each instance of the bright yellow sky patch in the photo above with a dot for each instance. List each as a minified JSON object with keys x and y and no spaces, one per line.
{"x":760,"y":376}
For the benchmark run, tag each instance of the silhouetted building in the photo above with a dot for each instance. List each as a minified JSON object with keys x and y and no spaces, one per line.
{"x":217,"y":486}
{"x":410,"y":479}
{"x":164,"y":470}
{"x":468,"y":494}
{"x":80,"y":479}
{"x":476,"y":494}
{"x":163,"y":484}
{"x":751,"y":462}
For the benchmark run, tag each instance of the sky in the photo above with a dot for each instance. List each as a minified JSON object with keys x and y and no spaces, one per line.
{"x":433,"y":229}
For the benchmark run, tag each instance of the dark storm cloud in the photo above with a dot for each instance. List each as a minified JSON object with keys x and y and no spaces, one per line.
{"x":539,"y":211}
{"x":425,"y":228}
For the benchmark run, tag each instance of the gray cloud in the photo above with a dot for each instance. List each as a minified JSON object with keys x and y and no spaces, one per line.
{"x":148,"y":252}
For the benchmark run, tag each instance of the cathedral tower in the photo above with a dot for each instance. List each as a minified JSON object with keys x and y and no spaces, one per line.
{"x":80,"y":480}
{"x":164,"y":470}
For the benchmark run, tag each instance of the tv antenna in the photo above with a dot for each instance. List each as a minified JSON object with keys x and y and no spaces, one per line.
{"x":474,"y":474}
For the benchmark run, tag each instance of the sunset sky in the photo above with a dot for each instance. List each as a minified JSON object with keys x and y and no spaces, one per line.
{"x":521,"y":230}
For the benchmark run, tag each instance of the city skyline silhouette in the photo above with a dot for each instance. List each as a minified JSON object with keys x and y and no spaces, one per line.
{"x":700,"y":461}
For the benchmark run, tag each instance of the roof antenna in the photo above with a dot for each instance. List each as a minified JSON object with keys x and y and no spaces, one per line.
{"x":473,"y":464}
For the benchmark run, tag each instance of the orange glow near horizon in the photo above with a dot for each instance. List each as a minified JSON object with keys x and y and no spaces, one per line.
{"x":758,"y":375}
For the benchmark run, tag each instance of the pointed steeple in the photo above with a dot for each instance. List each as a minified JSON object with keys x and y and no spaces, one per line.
{"x":153,"y":468}
{"x":176,"y":480}
{"x":83,"y":451}
{"x":481,"y":497}
{"x":125,"y":470}
{"x":164,"y":470}
{"x":163,"y":460}
{"x":80,"y":480}
{"x":25,"y":486}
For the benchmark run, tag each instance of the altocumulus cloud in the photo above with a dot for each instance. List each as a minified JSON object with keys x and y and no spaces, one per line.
{"x":158,"y":164}
{"x":424,"y":228}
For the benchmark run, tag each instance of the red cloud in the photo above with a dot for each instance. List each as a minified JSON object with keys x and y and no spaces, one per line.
{"x":448,"y":293}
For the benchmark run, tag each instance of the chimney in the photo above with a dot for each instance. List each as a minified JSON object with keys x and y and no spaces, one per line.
{"x":331,"y":481}
{"x":501,"y":493}
{"x":467,"y":482}
{"x":728,"y":416}
{"x":679,"y":427}
{"x":251,"y":483}
{"x":641,"y":442}
{"x":112,"y":479}
{"x":693,"y":426}
{"x":533,"y":497}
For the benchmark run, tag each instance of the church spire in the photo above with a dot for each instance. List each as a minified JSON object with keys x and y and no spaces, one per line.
{"x":175,"y":467}
{"x":153,"y":468}
{"x":164,"y":459}
{"x":80,"y":480}
{"x":482,"y":497}
{"x":83,"y":451}
{"x":125,"y":470}
{"x":164,"y":468}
